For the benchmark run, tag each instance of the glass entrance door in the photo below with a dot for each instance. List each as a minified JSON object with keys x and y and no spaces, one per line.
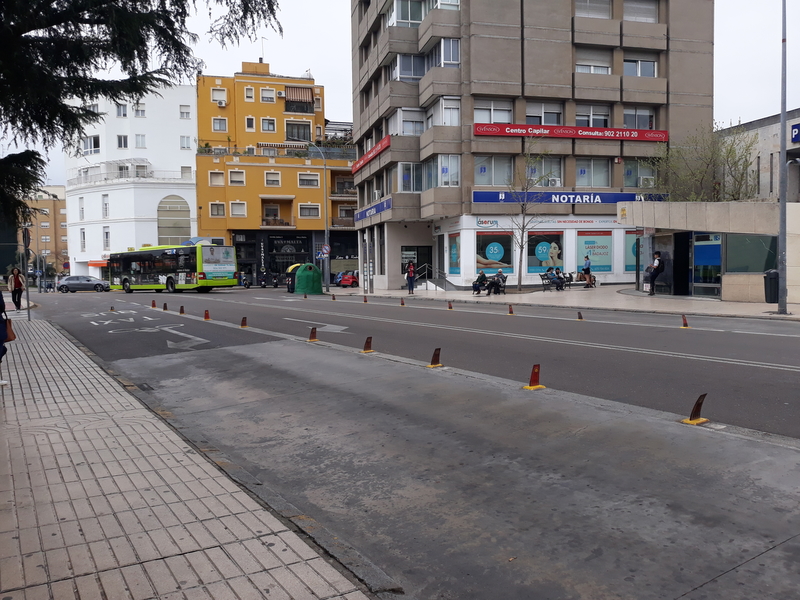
{"x":706,"y":264}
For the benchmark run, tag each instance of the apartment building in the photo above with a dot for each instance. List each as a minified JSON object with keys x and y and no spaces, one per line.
{"x":48,"y":231}
{"x":131,"y":181}
{"x":271,"y":178}
{"x":463,"y":107}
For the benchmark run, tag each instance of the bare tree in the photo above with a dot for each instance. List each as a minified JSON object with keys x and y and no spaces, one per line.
{"x":713,"y":165}
{"x":522,"y":187}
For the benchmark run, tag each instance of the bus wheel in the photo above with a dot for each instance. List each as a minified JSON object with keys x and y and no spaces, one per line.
{"x":170,"y":286}
{"x":126,"y":285}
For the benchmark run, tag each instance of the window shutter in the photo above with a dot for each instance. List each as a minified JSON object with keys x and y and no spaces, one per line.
{"x":645,"y":11}
{"x":596,"y":9}
{"x":593,"y":56}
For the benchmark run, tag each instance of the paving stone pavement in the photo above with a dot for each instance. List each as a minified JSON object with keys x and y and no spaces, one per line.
{"x":100,"y":499}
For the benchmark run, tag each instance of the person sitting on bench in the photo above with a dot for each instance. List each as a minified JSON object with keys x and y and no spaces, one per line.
{"x":495,"y":283}
{"x":554,"y":280}
{"x":479,"y":283}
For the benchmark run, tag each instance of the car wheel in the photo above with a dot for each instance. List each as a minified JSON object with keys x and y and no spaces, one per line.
{"x":98,"y":288}
{"x":355,"y":284}
{"x":170,"y":286}
{"x":72,"y":291}
{"x":63,"y":289}
{"x":126,"y":285}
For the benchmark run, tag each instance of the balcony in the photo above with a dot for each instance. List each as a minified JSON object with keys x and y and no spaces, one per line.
{"x":131,"y":175}
{"x":270,"y":223}
{"x":288,"y":150}
{"x":650,"y":36}
{"x":596,"y":32}
{"x":593,"y":86}
{"x":645,"y":90}
{"x":343,"y":223}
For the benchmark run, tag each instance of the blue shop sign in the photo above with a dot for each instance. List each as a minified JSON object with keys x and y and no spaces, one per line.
{"x":374,"y":209}
{"x":563,"y":197}
{"x":796,"y":133}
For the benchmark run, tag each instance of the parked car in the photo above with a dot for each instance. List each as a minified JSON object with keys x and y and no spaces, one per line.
{"x":337,"y":279}
{"x":82,"y":283}
{"x":349,"y":279}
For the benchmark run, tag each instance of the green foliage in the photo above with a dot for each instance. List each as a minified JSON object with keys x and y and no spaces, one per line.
{"x":21,"y":175}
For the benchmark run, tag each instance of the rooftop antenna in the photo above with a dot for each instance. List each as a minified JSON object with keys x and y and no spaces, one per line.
{"x":261,"y":58}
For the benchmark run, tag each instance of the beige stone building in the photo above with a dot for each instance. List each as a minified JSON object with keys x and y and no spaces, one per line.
{"x":49,"y":228}
{"x":448,"y":95}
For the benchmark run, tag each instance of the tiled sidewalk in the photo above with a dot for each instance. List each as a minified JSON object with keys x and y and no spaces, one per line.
{"x":99,"y":499}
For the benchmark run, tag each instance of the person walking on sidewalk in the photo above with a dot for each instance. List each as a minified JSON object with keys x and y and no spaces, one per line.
{"x":657,"y":268}
{"x":587,"y":271}
{"x":410,"y":277}
{"x":16,"y":285}
{"x":3,"y":335}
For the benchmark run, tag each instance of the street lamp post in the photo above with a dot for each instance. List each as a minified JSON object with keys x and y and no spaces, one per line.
{"x":326,"y":262}
{"x":782,"y":185}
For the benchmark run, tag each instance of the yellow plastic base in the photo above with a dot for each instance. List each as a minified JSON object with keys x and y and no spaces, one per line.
{"x":366,"y":351}
{"x":694,"y":421}
{"x":433,"y":366}
{"x":314,"y":340}
{"x":685,"y":327}
{"x":533,"y":387}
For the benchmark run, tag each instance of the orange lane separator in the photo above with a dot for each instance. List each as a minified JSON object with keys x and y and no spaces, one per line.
{"x":534,"y":383}
{"x":367,"y":346}
{"x":695,"y":418}
{"x":206,"y":317}
{"x":435,"y":360}
{"x":312,"y":337}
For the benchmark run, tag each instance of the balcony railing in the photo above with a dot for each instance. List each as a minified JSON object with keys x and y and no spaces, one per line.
{"x":277,"y":222}
{"x":133,"y":175}
{"x":335,"y":152}
{"x":343,"y":222}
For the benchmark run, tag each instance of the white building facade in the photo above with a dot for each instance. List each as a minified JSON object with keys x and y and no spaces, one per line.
{"x":131,"y":182}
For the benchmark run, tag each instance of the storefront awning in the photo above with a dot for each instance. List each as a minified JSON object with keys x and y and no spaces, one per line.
{"x":299,"y":94}
{"x":98,"y":263}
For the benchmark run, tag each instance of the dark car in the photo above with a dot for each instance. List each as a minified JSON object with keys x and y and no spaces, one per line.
{"x":82,"y":283}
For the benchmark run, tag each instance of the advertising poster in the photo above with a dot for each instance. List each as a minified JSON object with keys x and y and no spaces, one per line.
{"x":597,"y":245}
{"x":630,"y":252}
{"x":454,"y":265}
{"x":219,"y":261}
{"x":545,"y":249}
{"x":494,"y":251}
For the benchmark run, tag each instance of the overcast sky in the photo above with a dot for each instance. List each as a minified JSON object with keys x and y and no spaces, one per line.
{"x":317,"y":37}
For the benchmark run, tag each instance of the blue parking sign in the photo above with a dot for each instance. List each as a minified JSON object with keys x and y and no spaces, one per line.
{"x":796,"y":133}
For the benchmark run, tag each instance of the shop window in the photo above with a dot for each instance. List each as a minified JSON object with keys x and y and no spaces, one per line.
{"x":746,"y":253}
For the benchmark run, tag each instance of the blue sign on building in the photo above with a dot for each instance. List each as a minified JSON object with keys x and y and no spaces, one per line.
{"x":796,"y":133}
{"x":562,"y":197}
{"x":374,"y":210}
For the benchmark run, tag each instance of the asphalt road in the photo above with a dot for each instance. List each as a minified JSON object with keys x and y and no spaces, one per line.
{"x":750,"y":368}
{"x":463,"y":487}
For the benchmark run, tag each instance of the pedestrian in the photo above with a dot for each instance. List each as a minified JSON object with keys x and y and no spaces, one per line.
{"x":3,"y":334}
{"x":410,"y":277}
{"x":16,"y":285}
{"x":587,"y":271}
{"x":655,"y":270}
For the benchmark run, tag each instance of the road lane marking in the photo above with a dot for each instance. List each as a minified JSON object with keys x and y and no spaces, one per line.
{"x":322,"y":326}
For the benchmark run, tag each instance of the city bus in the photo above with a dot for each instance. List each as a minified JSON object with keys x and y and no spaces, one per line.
{"x":202,"y":267}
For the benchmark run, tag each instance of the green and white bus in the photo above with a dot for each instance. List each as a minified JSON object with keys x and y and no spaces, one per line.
{"x":202,"y":267}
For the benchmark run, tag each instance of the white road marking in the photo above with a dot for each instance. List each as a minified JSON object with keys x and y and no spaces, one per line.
{"x":326,"y":327}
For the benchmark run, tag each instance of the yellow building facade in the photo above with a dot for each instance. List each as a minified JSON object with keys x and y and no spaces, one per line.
{"x":268,"y":180}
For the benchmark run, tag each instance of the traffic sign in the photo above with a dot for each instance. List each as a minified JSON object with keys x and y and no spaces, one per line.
{"x":326,"y":249}
{"x":38,"y":273}
{"x":320,"y":254}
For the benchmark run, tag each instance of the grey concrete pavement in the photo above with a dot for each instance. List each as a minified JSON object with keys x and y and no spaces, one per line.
{"x":99,"y":498}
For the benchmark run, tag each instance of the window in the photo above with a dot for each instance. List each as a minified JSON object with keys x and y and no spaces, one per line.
{"x":449,"y":170}
{"x":309,"y":211}
{"x":218,"y":94}
{"x":106,"y":238}
{"x":408,"y":67}
{"x":346,"y":212}
{"x":493,"y":111}
{"x":250,"y":123}
{"x":269,"y":152}
{"x":216,"y":209}
{"x":64,"y":238}
{"x":45,"y":238}
{"x":640,"y":64}
{"x":122,"y":141}
{"x":64,"y":251}
{"x":93,"y":108}
{"x":445,"y":54}
{"x":216,"y":178}
{"x":122,"y":110}
{"x":308,"y":180}
{"x":638,"y":174}
{"x":545,"y":172}
{"x":413,"y":121}
{"x":593,"y":60}
{"x":639,"y":117}
{"x":186,"y":142}
{"x":493,"y":170}
{"x":140,"y":141}
{"x":185,"y":111}
{"x":91,"y":144}
{"x":186,"y":172}
{"x":543,"y":113}
{"x":267,"y":95}
{"x":272,"y":179}
{"x":44,"y":225}
{"x":410,"y":177}
{"x":238,"y":209}
{"x":317,"y":103}
{"x":236,"y":177}
{"x":62,"y":211}
{"x":592,"y":115}
{"x":596,"y":9}
{"x":272,"y":211}
{"x":298,"y":131}
{"x":123,"y":171}
{"x":267,"y":125}
{"x":592,"y":172}
{"x":63,"y":225}
{"x":138,"y":110}
{"x":219,"y":124}
{"x":404,"y":13}
{"x":249,"y":96}
{"x":747,"y":253}
{"x":141,"y":170}
{"x":106,"y":209}
{"x":644,"y":11}
{"x":81,"y":212}
{"x":83,"y":240}
{"x":44,"y":252}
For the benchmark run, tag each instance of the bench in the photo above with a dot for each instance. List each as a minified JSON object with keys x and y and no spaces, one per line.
{"x":501,"y":289}
{"x":547,"y":284}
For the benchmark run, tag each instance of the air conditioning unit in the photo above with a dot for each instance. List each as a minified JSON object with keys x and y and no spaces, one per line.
{"x":222,"y":103}
{"x":377,"y":195}
{"x":281,"y":94}
{"x":554,"y":182}
{"x":647,"y":182}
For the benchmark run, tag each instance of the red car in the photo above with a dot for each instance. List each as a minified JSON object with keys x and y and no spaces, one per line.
{"x":349,"y":279}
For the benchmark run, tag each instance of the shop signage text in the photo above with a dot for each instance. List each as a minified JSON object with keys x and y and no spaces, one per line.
{"x":796,"y":133}
{"x":480,"y":197}
{"x":564,"y":131}
{"x":374,"y":210}
{"x":372,"y":153}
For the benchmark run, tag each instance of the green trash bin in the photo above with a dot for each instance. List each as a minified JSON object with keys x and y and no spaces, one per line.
{"x":308,"y":280}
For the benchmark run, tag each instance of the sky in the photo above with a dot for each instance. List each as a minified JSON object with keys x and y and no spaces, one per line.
{"x":317,"y":37}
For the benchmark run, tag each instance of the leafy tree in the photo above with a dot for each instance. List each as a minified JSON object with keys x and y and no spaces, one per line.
{"x":713,"y":165}
{"x":55,"y":55}
{"x":526,"y":181}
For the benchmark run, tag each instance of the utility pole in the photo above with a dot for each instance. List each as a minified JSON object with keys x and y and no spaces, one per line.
{"x":782,"y":185}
